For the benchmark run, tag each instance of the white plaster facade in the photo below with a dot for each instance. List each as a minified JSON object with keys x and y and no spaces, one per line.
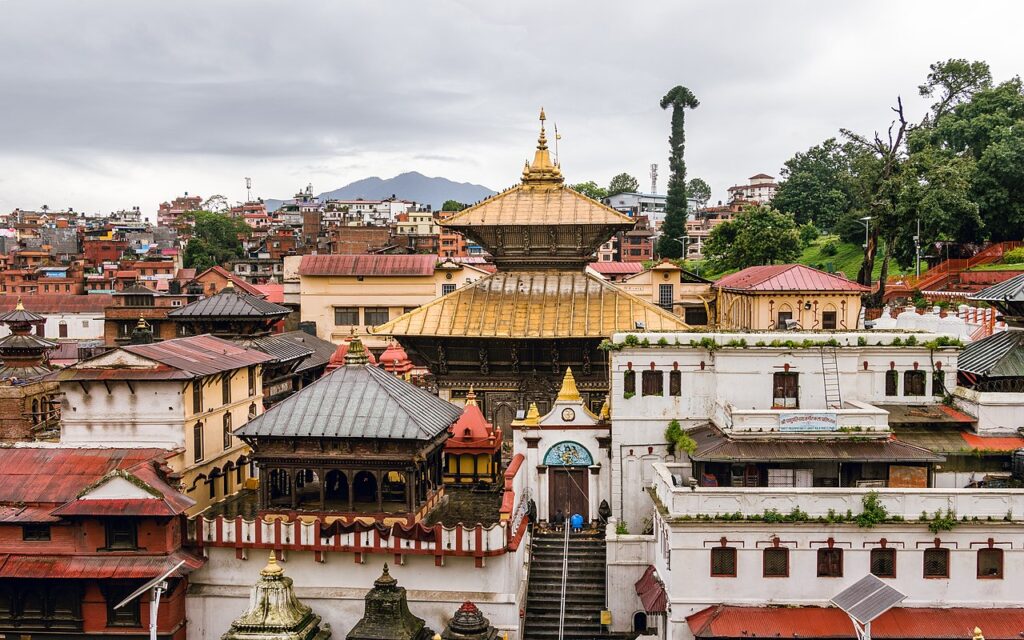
{"x":86,"y":325}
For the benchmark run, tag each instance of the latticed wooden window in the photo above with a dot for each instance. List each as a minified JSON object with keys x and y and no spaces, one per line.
{"x":830,"y":563}
{"x":675,"y":383}
{"x":786,"y":390}
{"x":913,"y":383}
{"x":936,"y":563}
{"x":892,"y":382}
{"x":883,"y":563}
{"x":629,"y":382}
{"x":990,"y":563}
{"x":653,"y":383}
{"x":776,"y":562}
{"x":723,"y":562}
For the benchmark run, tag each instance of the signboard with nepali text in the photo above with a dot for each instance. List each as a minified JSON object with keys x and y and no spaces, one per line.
{"x":807,"y":421}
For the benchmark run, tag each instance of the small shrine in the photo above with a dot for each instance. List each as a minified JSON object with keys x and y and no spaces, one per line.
{"x":473,"y":452}
{"x":338,"y":358}
{"x":275,"y":613}
{"x":23,"y":353}
{"x":567,"y":454}
{"x":395,"y":360}
{"x":469,"y":623}
{"x":387,"y":615}
{"x":359,"y":442}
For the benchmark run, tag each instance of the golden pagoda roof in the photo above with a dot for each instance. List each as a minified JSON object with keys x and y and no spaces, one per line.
{"x":534,"y":304}
{"x":541,"y":199}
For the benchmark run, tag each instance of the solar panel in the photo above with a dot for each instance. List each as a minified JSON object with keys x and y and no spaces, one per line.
{"x":867,"y":599}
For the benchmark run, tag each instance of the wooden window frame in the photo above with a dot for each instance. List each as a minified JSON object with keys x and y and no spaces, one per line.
{"x":909,"y":382}
{"x":675,"y":383}
{"x":890,"y":551}
{"x":130,"y":615}
{"x":997,"y":552}
{"x":785,"y":377}
{"x":197,"y":441}
{"x":227,"y":430}
{"x":34,"y":532}
{"x":892,"y":383}
{"x":375,"y":310}
{"x":110,"y":534}
{"x":652,"y":383}
{"x":825,"y":320}
{"x":822,"y":551}
{"x":764,"y":562}
{"x":225,"y":388}
{"x":629,"y":382}
{"x":346,"y":311}
{"x":944,"y":553}
{"x":728,"y":551}
{"x":197,"y":395}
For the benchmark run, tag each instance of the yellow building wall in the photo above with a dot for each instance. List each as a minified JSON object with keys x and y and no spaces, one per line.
{"x":216,"y":456}
{"x":760,"y":311}
{"x":647,"y":285}
{"x":319,"y":295}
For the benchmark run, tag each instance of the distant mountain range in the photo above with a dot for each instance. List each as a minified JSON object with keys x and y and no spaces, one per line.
{"x":406,"y":186}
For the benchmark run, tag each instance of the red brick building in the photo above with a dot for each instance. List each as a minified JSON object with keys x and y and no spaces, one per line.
{"x":80,"y":529}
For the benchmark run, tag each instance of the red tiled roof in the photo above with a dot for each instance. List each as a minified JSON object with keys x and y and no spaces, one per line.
{"x":199,"y":355}
{"x":58,"y":303}
{"x":111,"y":566}
{"x":235,"y":280}
{"x":989,"y":443}
{"x":53,"y":476}
{"x":115,"y":507}
{"x":616,"y":268}
{"x":272,"y":292}
{"x":786,"y":277}
{"x":368,"y":265}
{"x":472,"y":432}
{"x":723,"y":621}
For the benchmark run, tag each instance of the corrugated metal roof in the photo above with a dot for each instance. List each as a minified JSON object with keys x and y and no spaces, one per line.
{"x":1012,"y":289}
{"x":368,"y":265}
{"x":230,"y":303}
{"x":55,"y":567}
{"x":322,"y":349}
{"x":534,"y":304}
{"x":715,"y":446}
{"x":651,"y":591}
{"x":281,"y":349}
{"x":235,"y":280}
{"x":900,"y":623}
{"x":356,"y":401}
{"x":59,"y":303}
{"x":616,"y":268}
{"x":131,"y":507}
{"x":999,"y":355}
{"x":198,"y":355}
{"x":20,"y":315}
{"x":786,"y":277}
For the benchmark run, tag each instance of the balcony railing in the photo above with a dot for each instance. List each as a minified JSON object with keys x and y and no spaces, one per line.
{"x":852,"y":420}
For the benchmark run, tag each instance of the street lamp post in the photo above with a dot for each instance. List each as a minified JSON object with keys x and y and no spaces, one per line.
{"x":917,"y":250}
{"x":683,"y":242}
{"x":866,"y":221}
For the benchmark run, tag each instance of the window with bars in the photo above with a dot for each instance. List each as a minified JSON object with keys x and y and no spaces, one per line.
{"x":652,"y":383}
{"x":936,"y":563}
{"x":723,"y":562}
{"x":913,"y":383}
{"x":786,"y":390}
{"x":35,"y":532}
{"x":665,"y":296}
{"x":776,"y":562}
{"x":346,"y":316}
{"x":828,"y":320}
{"x":990,"y":563}
{"x":883,"y":563}
{"x":376,"y":315}
{"x":447,"y":288}
{"x":892,"y":382}
{"x":675,"y":383}
{"x":629,"y":382}
{"x":830,"y":563}
{"x":695,"y":315}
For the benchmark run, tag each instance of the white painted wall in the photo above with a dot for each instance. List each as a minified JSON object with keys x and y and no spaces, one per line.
{"x":113,"y":415}
{"x":997,"y":413}
{"x":336,"y":588}
{"x":81,"y":326}
{"x":628,"y":556}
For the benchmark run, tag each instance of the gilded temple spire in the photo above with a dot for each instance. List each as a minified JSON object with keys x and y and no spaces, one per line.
{"x":542,"y":172}
{"x":569,"y":392}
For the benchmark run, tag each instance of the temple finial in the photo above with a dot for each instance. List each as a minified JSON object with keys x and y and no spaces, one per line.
{"x":19,"y":306}
{"x":542,"y":171}
{"x":542,"y":139}
{"x":569,"y":392}
{"x":977,"y":634}
{"x":470,"y":397}
{"x":272,"y":568}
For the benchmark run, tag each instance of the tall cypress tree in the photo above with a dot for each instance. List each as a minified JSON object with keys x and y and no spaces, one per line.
{"x":679,"y":99}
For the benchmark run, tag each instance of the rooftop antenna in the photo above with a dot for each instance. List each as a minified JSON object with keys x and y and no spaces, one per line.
{"x":248,"y":189}
{"x":159,"y":586}
{"x":654,"y":178}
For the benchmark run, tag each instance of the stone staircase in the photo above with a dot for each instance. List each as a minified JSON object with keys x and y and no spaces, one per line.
{"x":584,"y":591}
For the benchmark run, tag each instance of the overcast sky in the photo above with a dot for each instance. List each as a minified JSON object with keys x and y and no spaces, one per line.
{"x":107,"y":105}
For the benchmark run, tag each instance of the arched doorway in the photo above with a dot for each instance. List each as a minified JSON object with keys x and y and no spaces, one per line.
{"x":364,"y":487}
{"x":568,"y":480}
{"x":640,"y":623}
{"x":336,"y":489}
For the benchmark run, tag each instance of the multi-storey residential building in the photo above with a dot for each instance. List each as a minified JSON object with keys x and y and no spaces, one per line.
{"x":169,"y":213}
{"x":759,"y":190}
{"x":674,"y":289}
{"x":346,"y":294}
{"x":76,"y":317}
{"x":699,"y":227}
{"x":186,"y":395}
{"x":136,"y":302}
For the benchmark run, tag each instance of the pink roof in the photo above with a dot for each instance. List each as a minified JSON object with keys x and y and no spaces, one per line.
{"x":239,"y":283}
{"x":472,"y":432}
{"x":786,"y":277}
{"x":58,"y":303}
{"x":273,"y":292}
{"x":616,"y":268}
{"x":368,"y":265}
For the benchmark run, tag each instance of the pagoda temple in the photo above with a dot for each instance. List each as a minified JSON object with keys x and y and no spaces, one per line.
{"x":511,"y":334}
{"x":23,"y":353}
{"x":387,"y":615}
{"x":473,"y":452}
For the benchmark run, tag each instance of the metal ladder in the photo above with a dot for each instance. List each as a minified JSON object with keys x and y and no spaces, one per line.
{"x":830,"y":373}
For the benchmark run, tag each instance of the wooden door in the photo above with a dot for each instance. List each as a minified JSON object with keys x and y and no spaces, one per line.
{"x":568,"y":491}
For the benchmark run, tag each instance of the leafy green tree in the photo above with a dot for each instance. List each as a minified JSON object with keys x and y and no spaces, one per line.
{"x":756,"y":236}
{"x":699,"y":190}
{"x":815,"y":185}
{"x":216,"y":240}
{"x":680,"y":99}
{"x":452,"y":205}
{"x":623,"y":183}
{"x":590,"y":189}
{"x":955,"y":81}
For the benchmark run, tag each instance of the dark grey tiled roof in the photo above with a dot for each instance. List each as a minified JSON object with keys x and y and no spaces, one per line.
{"x":999,"y":355}
{"x":1012,"y":289}
{"x":230,"y":304}
{"x":279,"y":348}
{"x":322,"y":349}
{"x":357,"y":401}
